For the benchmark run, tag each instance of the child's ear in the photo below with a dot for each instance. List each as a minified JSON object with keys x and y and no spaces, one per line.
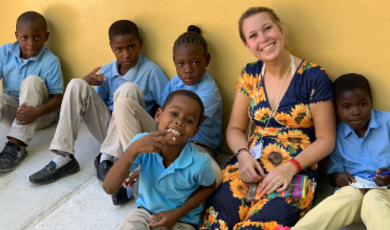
{"x":207,"y":57}
{"x":195,"y":131}
{"x":16,"y":35}
{"x":157,"y":116}
{"x":47,"y":36}
{"x":140,"y":43}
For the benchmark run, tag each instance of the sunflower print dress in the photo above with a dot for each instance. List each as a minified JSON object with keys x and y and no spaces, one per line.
{"x":289,"y":132}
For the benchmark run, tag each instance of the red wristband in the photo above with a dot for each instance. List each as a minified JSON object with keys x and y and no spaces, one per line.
{"x":296,"y":164}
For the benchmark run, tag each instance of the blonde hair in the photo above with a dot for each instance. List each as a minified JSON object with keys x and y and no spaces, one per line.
{"x":255,"y":10}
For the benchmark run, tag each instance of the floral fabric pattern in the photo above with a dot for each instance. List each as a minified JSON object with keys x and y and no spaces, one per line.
{"x":289,"y":131}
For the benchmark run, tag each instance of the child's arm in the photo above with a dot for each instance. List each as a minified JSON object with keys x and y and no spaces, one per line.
{"x":151,"y":143}
{"x":341,"y":179}
{"x":27,"y":114}
{"x":168,"y":219}
{"x":382,"y":180}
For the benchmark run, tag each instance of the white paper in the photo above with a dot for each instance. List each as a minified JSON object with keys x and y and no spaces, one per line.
{"x":363,"y":183}
{"x":256,"y":151}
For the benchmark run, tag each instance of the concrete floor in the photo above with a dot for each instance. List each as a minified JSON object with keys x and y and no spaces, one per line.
{"x":76,"y":202}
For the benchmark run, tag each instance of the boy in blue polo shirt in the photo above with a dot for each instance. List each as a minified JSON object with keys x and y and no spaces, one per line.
{"x":174,"y":177}
{"x":362,"y":152}
{"x":131,"y":76}
{"x":32,"y":87}
{"x":191,"y":57}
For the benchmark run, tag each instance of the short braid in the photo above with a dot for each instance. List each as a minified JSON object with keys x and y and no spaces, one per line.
{"x":192,"y":36}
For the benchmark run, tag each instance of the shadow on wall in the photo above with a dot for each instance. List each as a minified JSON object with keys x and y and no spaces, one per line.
{"x":62,"y":20}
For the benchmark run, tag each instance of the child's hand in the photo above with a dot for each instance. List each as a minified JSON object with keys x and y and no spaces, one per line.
{"x":151,"y":143}
{"x":343,"y":179}
{"x":382,"y":180}
{"x":95,"y":79}
{"x":26,"y":114}
{"x":133,"y":177}
{"x":165,"y":220}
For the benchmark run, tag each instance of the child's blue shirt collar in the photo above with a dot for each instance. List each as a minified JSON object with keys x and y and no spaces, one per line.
{"x":15,"y":49}
{"x":182,"y":84}
{"x":130,"y":75}
{"x":372,"y":124}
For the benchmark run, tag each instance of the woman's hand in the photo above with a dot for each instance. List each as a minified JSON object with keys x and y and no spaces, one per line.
{"x":250,"y":169}
{"x":278,"y":179}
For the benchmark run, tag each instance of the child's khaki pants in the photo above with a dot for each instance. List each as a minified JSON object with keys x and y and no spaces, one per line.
{"x":138,"y":219}
{"x":81,"y":101}
{"x":33,"y":93}
{"x":132,"y":120}
{"x":339,"y":210}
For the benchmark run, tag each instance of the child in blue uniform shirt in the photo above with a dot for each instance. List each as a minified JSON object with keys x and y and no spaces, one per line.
{"x":191,"y":57}
{"x":174,"y":177}
{"x":132,"y":75}
{"x":32,"y":87}
{"x":362,"y":149}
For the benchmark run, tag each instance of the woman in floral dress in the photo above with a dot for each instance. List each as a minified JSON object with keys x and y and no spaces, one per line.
{"x":285,"y":98}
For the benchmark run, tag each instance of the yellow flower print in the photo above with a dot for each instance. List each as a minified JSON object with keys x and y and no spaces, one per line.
{"x":273,"y":156}
{"x":256,"y":206}
{"x":250,"y":83}
{"x":230,"y":172}
{"x":269,"y":131}
{"x":294,"y":138}
{"x":271,"y":225}
{"x":304,"y":64}
{"x":239,"y":188}
{"x":243,"y":212}
{"x":210,"y":216}
{"x":253,"y":141}
{"x":262,"y":114}
{"x":285,"y":119}
{"x":322,"y":68}
{"x":313,"y":65}
{"x":301,"y":115}
{"x":307,"y":202}
{"x":222,"y":225}
{"x":314,"y":167}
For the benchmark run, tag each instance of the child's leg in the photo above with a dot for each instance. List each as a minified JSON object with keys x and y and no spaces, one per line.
{"x":138,"y":219}
{"x":132,"y":119}
{"x":183,"y":226}
{"x":8,"y":106}
{"x":80,"y":101}
{"x":334,"y":212}
{"x":34,"y":93}
{"x":375,"y":210}
{"x":112,"y":144}
{"x":217,"y":169}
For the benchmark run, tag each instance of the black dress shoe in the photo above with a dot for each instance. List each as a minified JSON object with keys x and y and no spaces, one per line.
{"x":120,"y":196}
{"x":11,"y":156}
{"x":50,"y":172}
{"x":102,"y":168}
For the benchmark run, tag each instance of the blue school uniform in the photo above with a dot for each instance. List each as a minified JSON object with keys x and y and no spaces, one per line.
{"x":147,"y":75}
{"x":210,"y":130}
{"x":162,"y":189}
{"x":362,"y":156}
{"x":14,"y":70}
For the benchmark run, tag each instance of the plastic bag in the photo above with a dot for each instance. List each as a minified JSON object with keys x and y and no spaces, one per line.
{"x":298,"y":188}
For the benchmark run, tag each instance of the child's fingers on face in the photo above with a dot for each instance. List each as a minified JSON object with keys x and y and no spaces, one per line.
{"x":161,"y":133}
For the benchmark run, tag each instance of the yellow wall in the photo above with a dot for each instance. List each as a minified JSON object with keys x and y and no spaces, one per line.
{"x":343,"y":36}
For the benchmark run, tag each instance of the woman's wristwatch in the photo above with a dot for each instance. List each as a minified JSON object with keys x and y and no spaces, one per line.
{"x":238,"y":152}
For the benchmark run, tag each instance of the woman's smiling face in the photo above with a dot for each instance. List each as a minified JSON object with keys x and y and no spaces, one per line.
{"x":263,"y":36}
